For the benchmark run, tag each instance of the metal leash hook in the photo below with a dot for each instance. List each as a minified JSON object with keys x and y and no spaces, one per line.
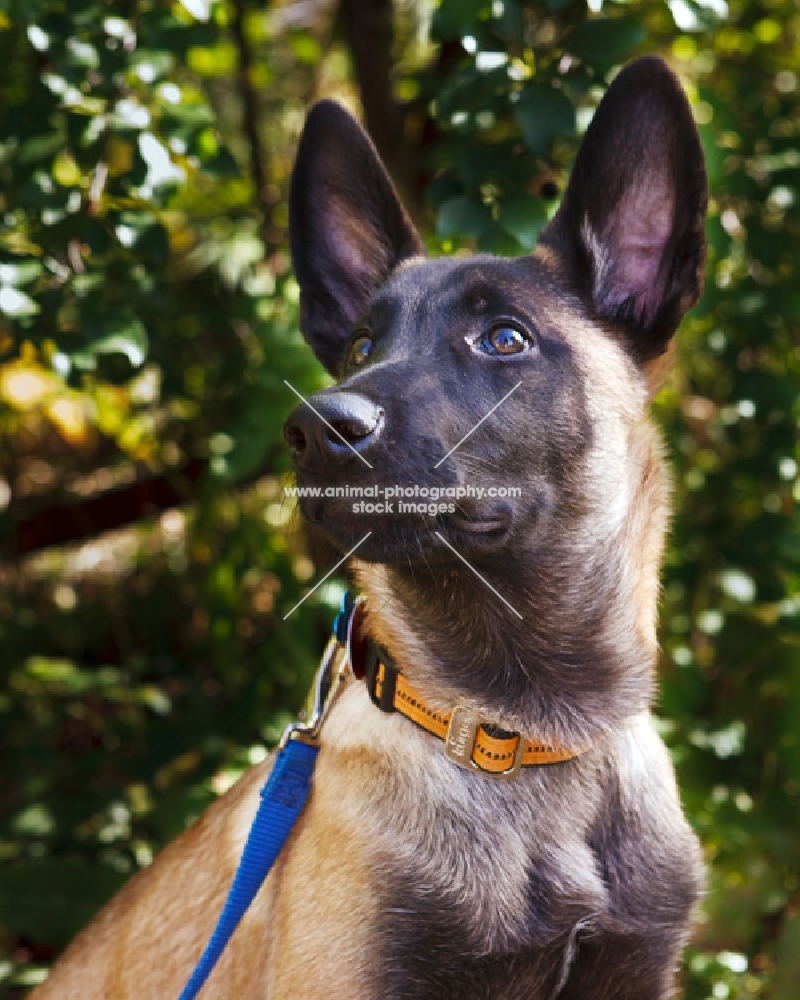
{"x":334,"y":667}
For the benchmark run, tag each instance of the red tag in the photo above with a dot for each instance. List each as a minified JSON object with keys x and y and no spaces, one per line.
{"x":357,"y":641}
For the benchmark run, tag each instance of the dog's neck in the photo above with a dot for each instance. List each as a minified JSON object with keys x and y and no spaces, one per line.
{"x":580,"y":660}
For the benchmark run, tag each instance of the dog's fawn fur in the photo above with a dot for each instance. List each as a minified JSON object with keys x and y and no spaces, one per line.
{"x":407,"y":876}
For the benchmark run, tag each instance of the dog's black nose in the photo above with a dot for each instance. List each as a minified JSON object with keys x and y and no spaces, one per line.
{"x":331,"y":424}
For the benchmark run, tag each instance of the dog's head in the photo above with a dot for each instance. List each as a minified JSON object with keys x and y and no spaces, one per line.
{"x":567,"y":341}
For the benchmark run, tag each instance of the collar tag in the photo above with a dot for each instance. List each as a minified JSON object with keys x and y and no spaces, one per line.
{"x":459,"y":745}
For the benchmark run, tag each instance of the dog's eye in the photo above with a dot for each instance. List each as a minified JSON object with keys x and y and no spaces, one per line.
{"x":360,"y":349}
{"x":505,"y":339}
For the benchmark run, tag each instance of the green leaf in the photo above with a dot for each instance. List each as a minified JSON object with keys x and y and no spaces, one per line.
{"x":462,"y":216}
{"x":222,"y":164}
{"x":511,"y":22}
{"x":81,"y":54}
{"x":15,"y":303}
{"x":125,"y":336}
{"x":40,"y":147}
{"x":151,"y":64}
{"x":442,"y":189}
{"x":453,"y":20}
{"x":544,"y":114}
{"x":153,"y":244}
{"x":603,"y":41}
{"x":191,"y":113}
{"x":495,"y":239}
{"x":523,"y":218}
{"x":493,"y":162}
{"x":19,"y":270}
{"x":201,"y":9}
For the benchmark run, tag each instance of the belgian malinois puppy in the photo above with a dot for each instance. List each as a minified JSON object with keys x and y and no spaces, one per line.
{"x":410,"y":875}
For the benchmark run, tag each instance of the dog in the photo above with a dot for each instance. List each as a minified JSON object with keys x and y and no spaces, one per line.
{"x":415,"y":872}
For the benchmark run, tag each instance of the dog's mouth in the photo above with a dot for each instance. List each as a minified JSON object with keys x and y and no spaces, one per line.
{"x":491,"y":526}
{"x":402,"y":539}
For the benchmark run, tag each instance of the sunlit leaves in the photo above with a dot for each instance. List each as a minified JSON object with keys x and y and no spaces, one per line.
{"x":147,"y":322}
{"x":142,"y":323}
{"x":15,"y":303}
{"x":99,"y":127}
{"x":124,"y":335}
{"x":519,"y":87}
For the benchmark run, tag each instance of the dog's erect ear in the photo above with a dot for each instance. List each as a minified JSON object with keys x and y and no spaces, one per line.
{"x":634,"y":209}
{"x":347,"y":227}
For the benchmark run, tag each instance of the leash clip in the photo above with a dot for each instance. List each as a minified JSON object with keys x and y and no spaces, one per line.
{"x":334,"y":669}
{"x":462,"y":734}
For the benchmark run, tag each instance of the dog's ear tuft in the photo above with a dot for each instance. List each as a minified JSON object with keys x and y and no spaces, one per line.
{"x":634,"y":210}
{"x":347,"y":228}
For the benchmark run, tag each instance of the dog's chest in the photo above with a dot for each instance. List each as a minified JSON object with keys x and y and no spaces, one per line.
{"x":478,"y":882}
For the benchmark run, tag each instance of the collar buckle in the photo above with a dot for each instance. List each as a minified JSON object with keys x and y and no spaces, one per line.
{"x":462,"y":734}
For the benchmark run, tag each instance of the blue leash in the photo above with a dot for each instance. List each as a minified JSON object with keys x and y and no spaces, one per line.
{"x":282,"y":800}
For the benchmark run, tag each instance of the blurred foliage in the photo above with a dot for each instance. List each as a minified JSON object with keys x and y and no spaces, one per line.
{"x":147,"y":320}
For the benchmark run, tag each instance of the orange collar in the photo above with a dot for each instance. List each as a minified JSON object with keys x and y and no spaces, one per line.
{"x":470,"y":740}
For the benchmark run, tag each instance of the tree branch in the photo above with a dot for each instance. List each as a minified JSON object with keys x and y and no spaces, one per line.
{"x":64,"y":524}
{"x":369,"y":32}
{"x":250,"y":118}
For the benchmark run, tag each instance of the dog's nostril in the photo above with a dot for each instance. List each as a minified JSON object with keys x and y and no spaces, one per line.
{"x":296,"y":439}
{"x":332,"y":424}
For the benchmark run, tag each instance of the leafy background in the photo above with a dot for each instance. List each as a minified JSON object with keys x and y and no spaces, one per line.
{"x":148,"y":320}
